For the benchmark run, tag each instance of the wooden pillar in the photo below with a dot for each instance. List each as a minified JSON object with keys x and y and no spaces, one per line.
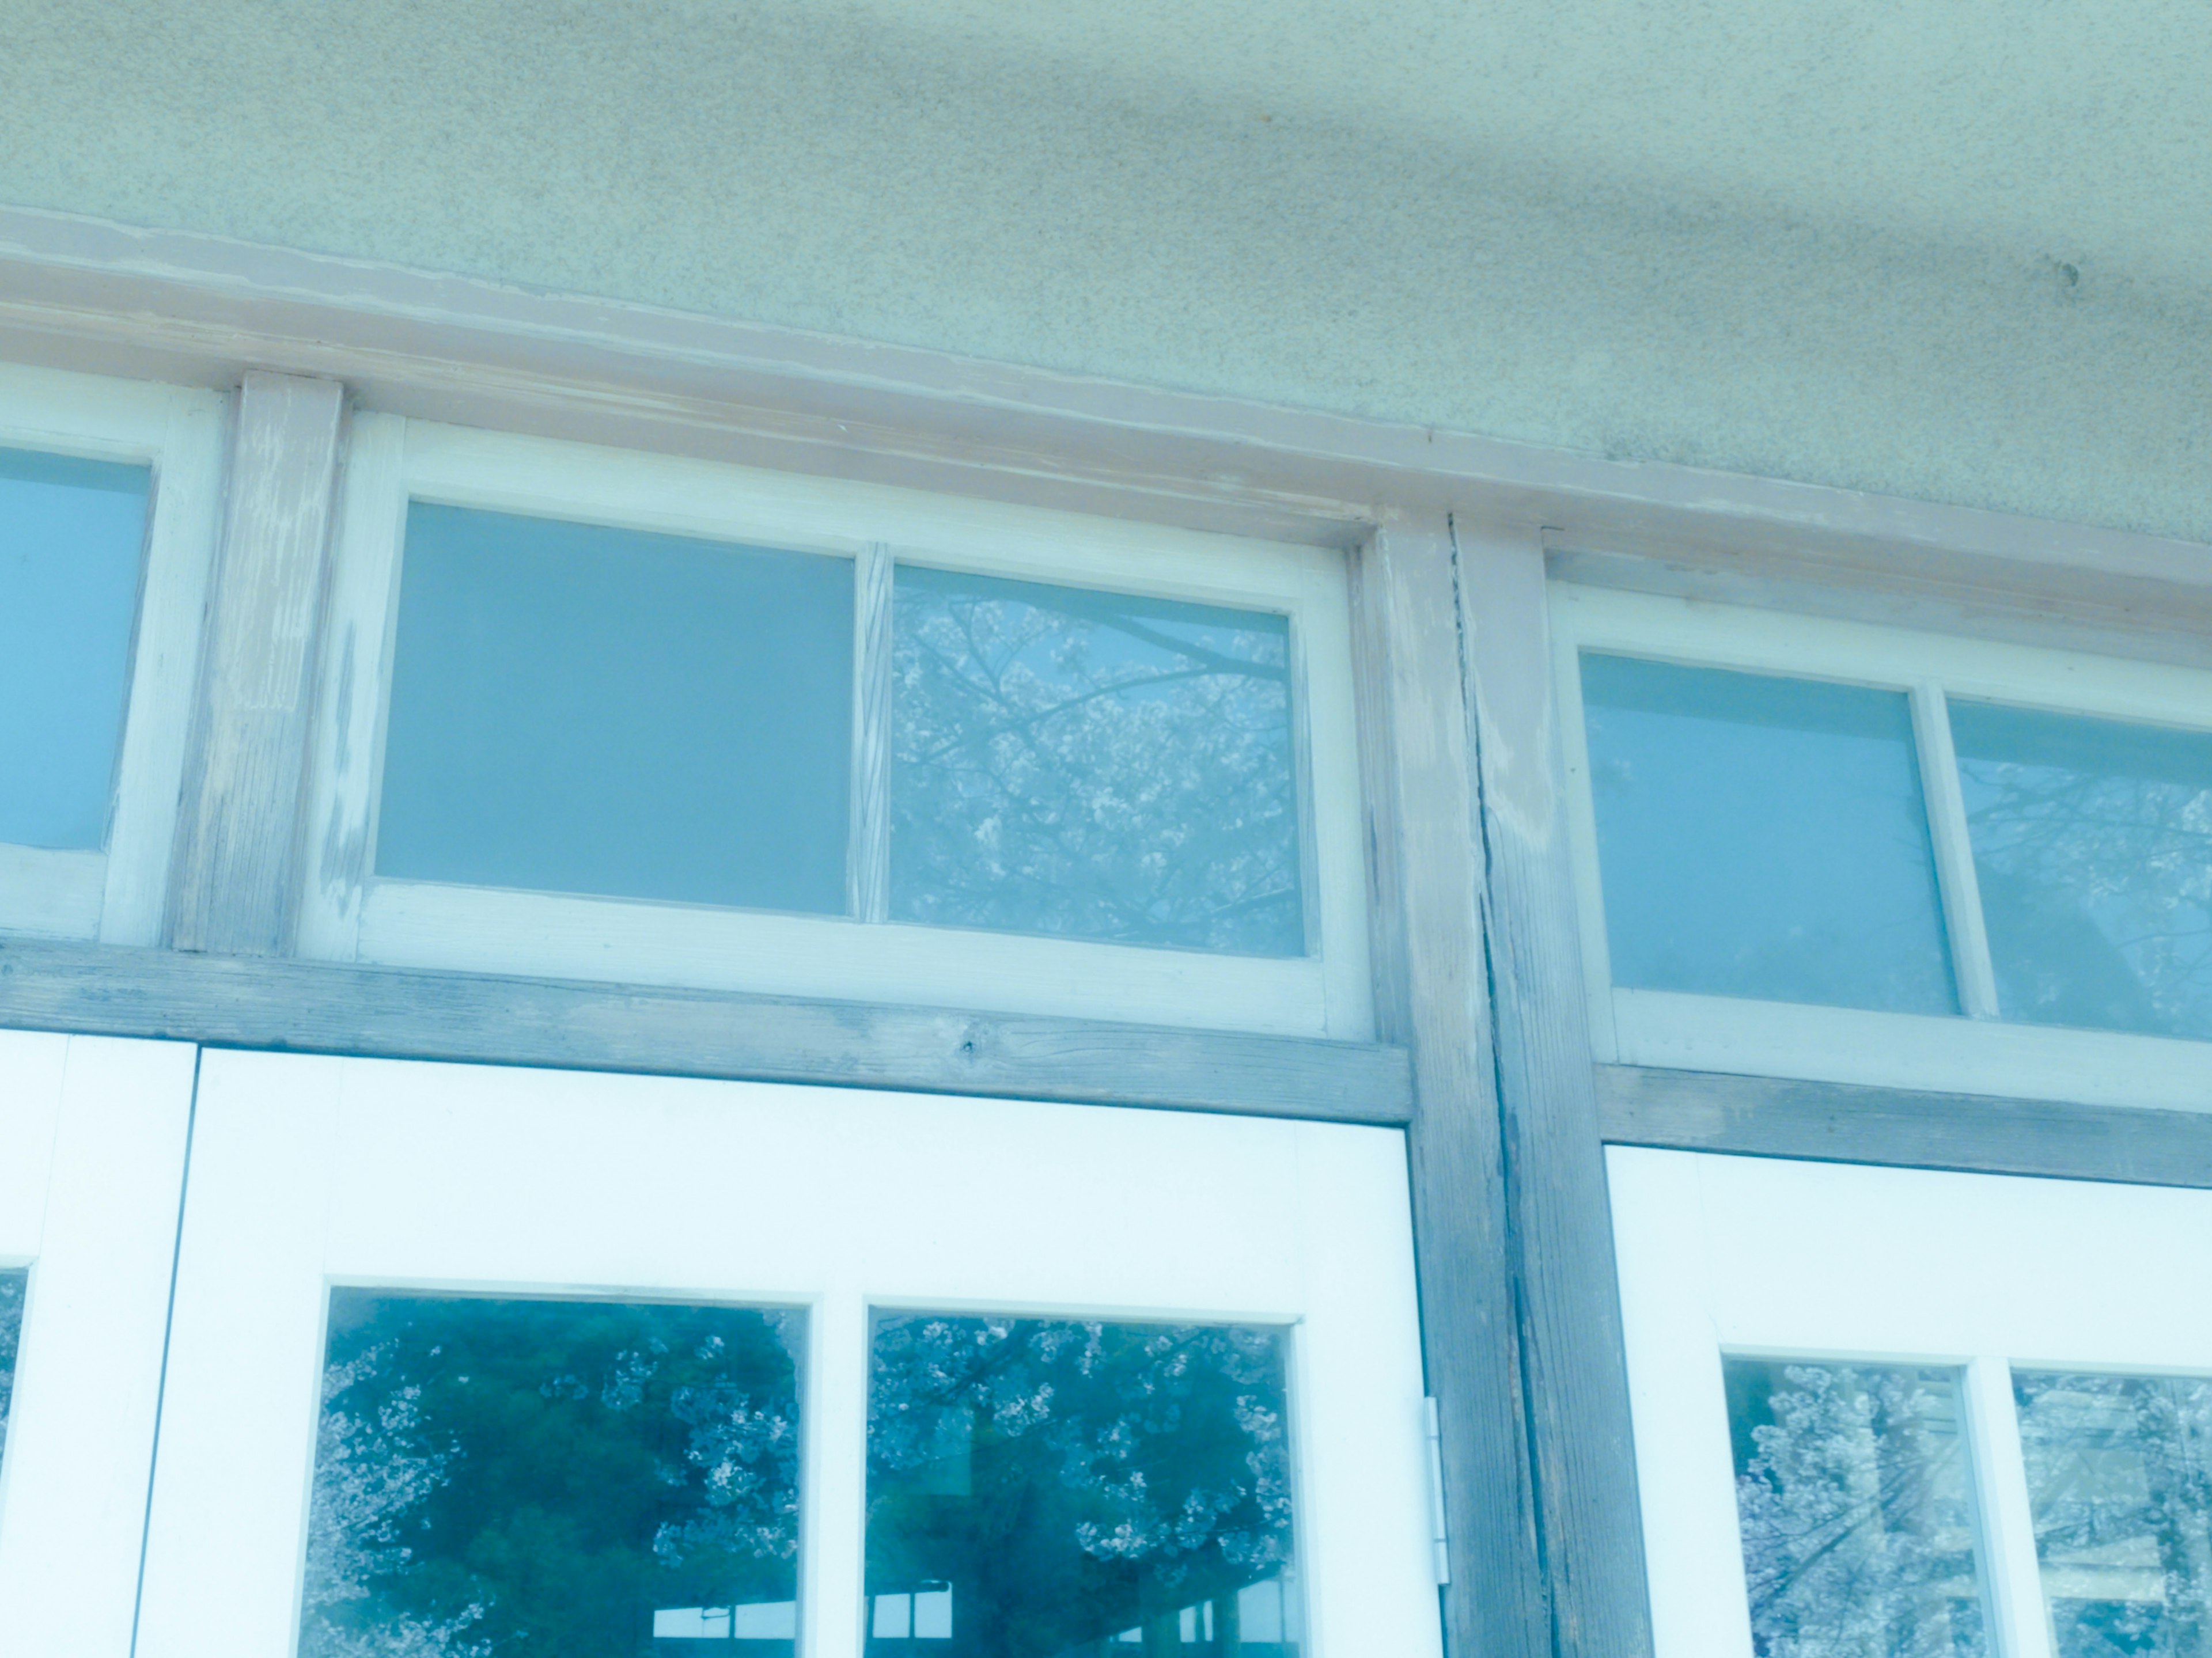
{"x":1588,"y":1523}
{"x":233,"y":876}
{"x":1432,"y":995}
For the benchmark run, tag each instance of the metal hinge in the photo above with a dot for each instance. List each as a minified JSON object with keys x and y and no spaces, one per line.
{"x":1439,"y":1536}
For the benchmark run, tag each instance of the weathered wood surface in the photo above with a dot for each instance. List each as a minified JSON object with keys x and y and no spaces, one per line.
{"x":1432,"y":994}
{"x":234,"y":875}
{"x":316,"y":1007}
{"x":1841,"y":1122}
{"x":1588,"y":1523}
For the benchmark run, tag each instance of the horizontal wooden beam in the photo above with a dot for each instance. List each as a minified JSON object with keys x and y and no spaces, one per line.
{"x":322,"y":1008}
{"x":1838,"y":1122}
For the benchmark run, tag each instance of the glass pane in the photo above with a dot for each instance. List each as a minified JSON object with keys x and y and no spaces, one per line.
{"x":1046,"y":1488}
{"x":1763,"y":837}
{"x":2119,"y":1479}
{"x":2093,"y":845}
{"x":583,"y":709}
{"x":1094,"y":765}
{"x":1857,"y":1503}
{"x":72,"y":537}
{"x":11,"y":1332}
{"x":573,"y":1479}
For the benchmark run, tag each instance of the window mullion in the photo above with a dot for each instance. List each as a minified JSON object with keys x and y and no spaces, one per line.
{"x":868,"y":866}
{"x":1954,"y":853}
{"x":2006,"y":1519}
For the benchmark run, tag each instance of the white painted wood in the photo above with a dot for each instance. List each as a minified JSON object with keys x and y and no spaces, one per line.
{"x":92,"y":1150}
{"x":868,"y":871}
{"x":116,"y":895}
{"x":2020,"y":1627}
{"x":1964,"y":929}
{"x":1582,"y":836}
{"x":353,"y":915}
{"x":308,"y":1171}
{"x":1761,"y":1255}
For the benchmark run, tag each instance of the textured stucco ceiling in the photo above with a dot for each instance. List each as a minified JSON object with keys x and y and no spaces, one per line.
{"x":1958,"y":249}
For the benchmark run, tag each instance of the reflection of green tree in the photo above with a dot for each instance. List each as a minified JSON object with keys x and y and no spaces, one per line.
{"x":11,"y":1330}
{"x":1088,"y":764}
{"x":2120,"y":1486}
{"x":1851,"y":1490}
{"x":508,"y":1477}
{"x":1072,"y":1480}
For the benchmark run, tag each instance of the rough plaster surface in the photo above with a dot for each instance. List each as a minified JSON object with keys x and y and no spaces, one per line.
{"x":1952,"y":249}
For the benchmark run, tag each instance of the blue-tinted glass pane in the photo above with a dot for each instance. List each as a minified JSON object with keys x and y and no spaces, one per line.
{"x":11,"y":1332}
{"x":1093,"y":765}
{"x":582,"y":709}
{"x":575,"y":1479}
{"x":2119,"y":1481}
{"x":1857,"y":1503}
{"x":1045,"y":1489}
{"x":1763,"y":837}
{"x":2092,"y":848}
{"x":72,"y":537}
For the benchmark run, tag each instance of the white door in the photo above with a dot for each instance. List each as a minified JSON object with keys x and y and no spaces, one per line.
{"x":92,"y":1152}
{"x":473,"y":1361}
{"x":1890,"y":1411}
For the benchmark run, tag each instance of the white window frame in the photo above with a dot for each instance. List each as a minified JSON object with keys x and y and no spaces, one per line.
{"x":117,"y":895}
{"x":1974,"y":1052}
{"x":347,"y":914}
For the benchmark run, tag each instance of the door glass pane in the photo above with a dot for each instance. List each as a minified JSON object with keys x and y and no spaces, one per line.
{"x":72,"y":537}
{"x":1763,"y":837}
{"x":2119,"y":1479}
{"x":576,"y":708}
{"x":2093,"y":847}
{"x":1855,"y":1500}
{"x":575,"y":1479}
{"x":1094,"y":765}
{"x":1041,"y":1488}
{"x":11,"y":1332}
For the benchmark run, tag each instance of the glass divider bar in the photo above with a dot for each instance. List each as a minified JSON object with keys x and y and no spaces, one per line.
{"x":1954,"y":853}
{"x":832,"y":1480}
{"x":2020,"y":1625}
{"x":869,"y":868}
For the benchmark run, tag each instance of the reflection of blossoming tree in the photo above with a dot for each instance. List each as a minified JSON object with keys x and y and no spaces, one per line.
{"x":1074,"y":1479}
{"x":1854,"y":1505}
{"x":11,"y":1329}
{"x":2121,"y":1487}
{"x":1094,"y":765}
{"x":497,"y":1478}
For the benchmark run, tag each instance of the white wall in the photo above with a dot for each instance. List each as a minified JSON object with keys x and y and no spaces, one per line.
{"x":1959,"y":250}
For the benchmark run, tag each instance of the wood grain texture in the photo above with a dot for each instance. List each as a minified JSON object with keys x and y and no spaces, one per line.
{"x":1842,"y":1123}
{"x":233,"y":877}
{"x":868,"y":864}
{"x":1434,"y":995}
{"x":1561,"y":1228}
{"x":316,"y":1007}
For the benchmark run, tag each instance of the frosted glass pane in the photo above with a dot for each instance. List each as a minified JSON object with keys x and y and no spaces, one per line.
{"x":72,"y":539}
{"x":2092,"y":848}
{"x":1856,"y":1499}
{"x":1093,"y":765}
{"x":552,"y":1479}
{"x":11,"y":1332}
{"x":582,"y":709}
{"x":2119,"y":1481}
{"x":1763,"y":837}
{"x":1054,"y":1488}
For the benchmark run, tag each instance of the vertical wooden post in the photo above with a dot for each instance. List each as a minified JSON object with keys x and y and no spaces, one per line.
{"x":233,"y":876}
{"x":1432,"y":995}
{"x":1588,"y":1524}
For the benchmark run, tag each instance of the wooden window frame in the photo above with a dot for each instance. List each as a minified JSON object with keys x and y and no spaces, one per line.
{"x":116,"y":894}
{"x":349,"y":914}
{"x":1974,"y":1052}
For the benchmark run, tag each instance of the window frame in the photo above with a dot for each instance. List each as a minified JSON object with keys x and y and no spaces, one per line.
{"x":117,"y":895}
{"x":1975,"y":1051}
{"x":349,"y":914}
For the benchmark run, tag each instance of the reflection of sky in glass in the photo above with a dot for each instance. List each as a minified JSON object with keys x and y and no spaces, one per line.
{"x":1094,"y":765}
{"x":552,"y":1479}
{"x":1040,"y":1489}
{"x":1763,"y":837}
{"x":11,"y":1332}
{"x":72,"y":534}
{"x":1856,"y":1504}
{"x":582,"y":709}
{"x":2119,"y":1480}
{"x":2093,"y":847}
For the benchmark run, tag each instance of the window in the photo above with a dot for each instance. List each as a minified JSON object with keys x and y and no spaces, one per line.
{"x":108,"y":493}
{"x":1883,"y":1413}
{"x":1822,"y":849}
{"x":622,"y":716}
